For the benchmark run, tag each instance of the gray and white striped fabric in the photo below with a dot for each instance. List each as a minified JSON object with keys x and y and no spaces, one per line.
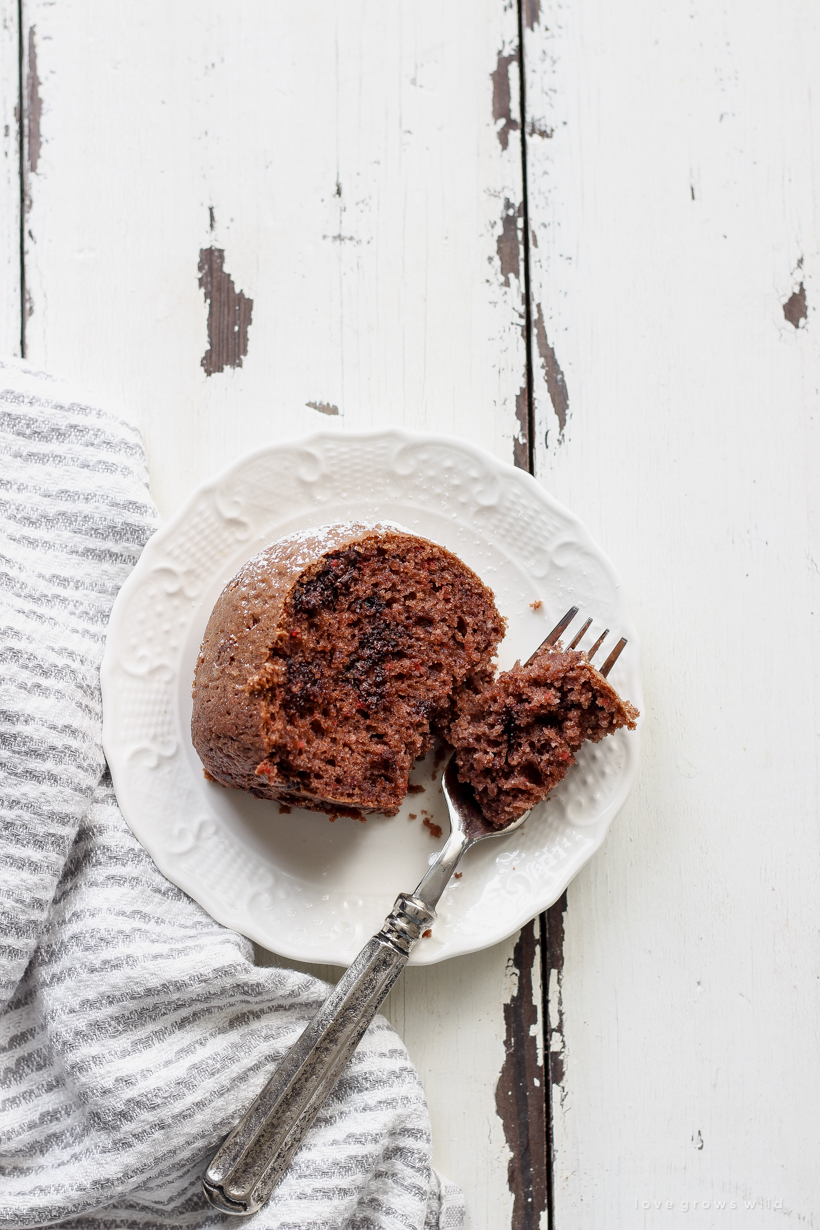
{"x":134,"y":1029}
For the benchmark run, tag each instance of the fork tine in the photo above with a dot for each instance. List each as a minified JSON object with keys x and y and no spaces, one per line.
{"x":613,"y":657}
{"x":562,"y":624}
{"x":553,"y":636}
{"x":576,"y":639}
{"x":592,"y":652}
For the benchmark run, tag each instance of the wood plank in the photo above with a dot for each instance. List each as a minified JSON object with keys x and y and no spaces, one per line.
{"x":364,"y":206}
{"x":10,"y":313}
{"x":671,"y":158}
{"x":247,"y":225}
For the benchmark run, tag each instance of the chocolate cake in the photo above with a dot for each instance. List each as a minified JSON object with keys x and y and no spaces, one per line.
{"x":516,"y":737}
{"x":330,"y":662}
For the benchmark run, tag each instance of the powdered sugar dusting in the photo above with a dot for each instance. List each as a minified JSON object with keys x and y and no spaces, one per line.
{"x":303,"y":547}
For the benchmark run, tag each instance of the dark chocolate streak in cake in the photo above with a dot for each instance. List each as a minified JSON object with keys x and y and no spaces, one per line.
{"x":324,"y":588}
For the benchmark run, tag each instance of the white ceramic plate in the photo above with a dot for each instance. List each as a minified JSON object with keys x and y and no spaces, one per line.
{"x":299,"y":885}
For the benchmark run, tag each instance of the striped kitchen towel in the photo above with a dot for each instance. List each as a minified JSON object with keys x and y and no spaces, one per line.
{"x":134,"y":1029}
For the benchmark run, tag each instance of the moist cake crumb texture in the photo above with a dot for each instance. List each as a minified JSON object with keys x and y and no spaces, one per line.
{"x":516,"y":737}
{"x":332,"y":660}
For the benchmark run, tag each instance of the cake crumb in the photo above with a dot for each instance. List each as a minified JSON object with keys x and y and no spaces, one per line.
{"x":284,"y":810}
{"x":353,"y":812}
{"x":413,"y":788}
{"x":412,"y":816}
{"x":209,"y":777}
{"x":537,"y":604}
{"x":426,"y":934}
{"x":458,"y":875}
{"x":429,"y":823}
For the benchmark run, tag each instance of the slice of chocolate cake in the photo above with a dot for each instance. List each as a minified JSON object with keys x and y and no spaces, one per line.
{"x":331,"y":660}
{"x":515,"y":738}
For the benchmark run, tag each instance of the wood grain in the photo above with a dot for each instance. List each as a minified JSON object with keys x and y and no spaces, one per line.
{"x":230,"y":314}
{"x":519,"y":1095}
{"x":247,"y":224}
{"x":673,"y":203}
{"x":10,"y":288}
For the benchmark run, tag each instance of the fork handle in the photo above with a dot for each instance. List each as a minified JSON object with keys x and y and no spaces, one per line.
{"x":253,"y":1158}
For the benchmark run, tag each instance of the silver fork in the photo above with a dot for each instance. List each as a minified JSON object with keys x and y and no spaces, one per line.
{"x":254,"y":1157}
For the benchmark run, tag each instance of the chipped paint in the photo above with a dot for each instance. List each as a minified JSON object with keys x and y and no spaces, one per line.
{"x":324,"y":407}
{"x":229,"y":314}
{"x":502,"y":98}
{"x":521,"y":441}
{"x":555,"y":974}
{"x":552,"y":940}
{"x":556,"y":384}
{"x":507,"y":244}
{"x":519,"y":1095}
{"x":33,"y":104}
{"x":795,"y":309}
{"x":532,"y":13}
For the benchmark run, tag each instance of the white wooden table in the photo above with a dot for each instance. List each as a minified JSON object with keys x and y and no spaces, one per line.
{"x":241,"y":223}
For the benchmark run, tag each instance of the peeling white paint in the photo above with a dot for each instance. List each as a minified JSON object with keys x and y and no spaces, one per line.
{"x":690,"y":991}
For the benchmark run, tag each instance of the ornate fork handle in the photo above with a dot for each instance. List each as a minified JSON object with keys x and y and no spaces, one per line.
{"x":255,"y":1155}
